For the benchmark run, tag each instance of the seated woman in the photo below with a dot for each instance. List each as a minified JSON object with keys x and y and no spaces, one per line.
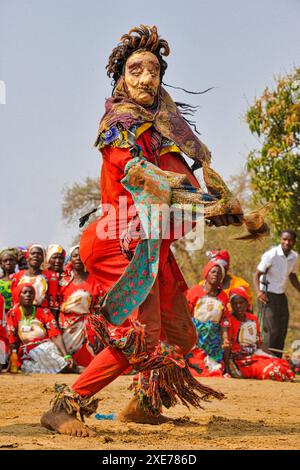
{"x":44,"y":281}
{"x":78,"y":292}
{"x":34,"y":333}
{"x":3,"y":336}
{"x":8,"y":262}
{"x":249,"y":356}
{"x":208,"y":305}
{"x":230,"y":281}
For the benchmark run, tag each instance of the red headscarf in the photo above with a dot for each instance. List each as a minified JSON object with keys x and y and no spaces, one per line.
{"x":20,"y":287}
{"x":238,"y":292}
{"x":208,"y":267}
{"x":220,"y":255}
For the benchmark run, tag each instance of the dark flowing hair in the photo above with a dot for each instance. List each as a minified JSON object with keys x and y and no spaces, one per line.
{"x":142,"y":38}
{"x":145,"y":38}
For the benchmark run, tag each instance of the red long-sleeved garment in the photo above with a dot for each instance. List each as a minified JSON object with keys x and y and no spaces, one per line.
{"x":165,"y":313}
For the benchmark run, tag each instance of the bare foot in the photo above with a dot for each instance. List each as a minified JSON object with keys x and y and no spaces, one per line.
{"x":134,"y":413}
{"x":65,"y":424}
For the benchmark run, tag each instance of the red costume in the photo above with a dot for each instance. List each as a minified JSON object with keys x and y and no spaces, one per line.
{"x":153,"y":329}
{"x":169,"y":316}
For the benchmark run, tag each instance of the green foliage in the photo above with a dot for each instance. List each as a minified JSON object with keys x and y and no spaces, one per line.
{"x":275,"y":167}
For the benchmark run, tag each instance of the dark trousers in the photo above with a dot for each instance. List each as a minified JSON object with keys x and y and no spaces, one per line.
{"x":275,"y":318}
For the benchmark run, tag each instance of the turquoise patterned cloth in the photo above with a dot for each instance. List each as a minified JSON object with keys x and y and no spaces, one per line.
{"x":138,"y":278}
{"x":209,"y":338}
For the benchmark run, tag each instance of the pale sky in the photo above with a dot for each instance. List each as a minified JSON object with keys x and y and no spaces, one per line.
{"x":52,"y":61}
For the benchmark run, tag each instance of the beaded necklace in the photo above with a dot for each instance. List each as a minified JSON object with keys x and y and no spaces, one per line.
{"x":27,"y":321}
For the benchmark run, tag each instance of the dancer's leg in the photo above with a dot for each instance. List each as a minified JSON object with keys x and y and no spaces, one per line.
{"x":149,"y":316}
{"x":103,"y":369}
{"x":176,"y":319}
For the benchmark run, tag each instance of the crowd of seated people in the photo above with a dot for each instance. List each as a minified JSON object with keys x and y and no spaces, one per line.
{"x":45,"y":301}
{"x":47,"y":296}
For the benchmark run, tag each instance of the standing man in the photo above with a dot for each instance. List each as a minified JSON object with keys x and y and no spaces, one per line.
{"x":276,"y":266}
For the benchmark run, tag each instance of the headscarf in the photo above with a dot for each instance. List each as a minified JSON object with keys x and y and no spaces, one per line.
{"x":220,"y":255}
{"x":23,"y":255}
{"x":208,"y":267}
{"x":72,"y":249}
{"x":53,"y":250}
{"x":19,"y":289}
{"x":68,"y":274}
{"x":23,"y":252}
{"x":68,"y":265}
{"x":36,"y":245}
{"x":12,"y":251}
{"x":238,"y":292}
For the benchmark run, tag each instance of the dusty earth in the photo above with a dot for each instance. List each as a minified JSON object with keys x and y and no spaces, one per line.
{"x":255,"y":415}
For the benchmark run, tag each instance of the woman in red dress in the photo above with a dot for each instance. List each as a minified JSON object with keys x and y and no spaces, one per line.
{"x":44,"y":281}
{"x":3,"y":335}
{"x":34,"y":333}
{"x":209,"y":308}
{"x":249,"y":354}
{"x":79,"y":290}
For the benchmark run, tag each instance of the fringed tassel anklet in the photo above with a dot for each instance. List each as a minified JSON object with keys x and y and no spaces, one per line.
{"x":72,"y":403}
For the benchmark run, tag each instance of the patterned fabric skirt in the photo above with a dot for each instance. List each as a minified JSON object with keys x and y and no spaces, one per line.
{"x":263,"y":367}
{"x":205,"y":359}
{"x":43,"y":359}
{"x":202,"y":365}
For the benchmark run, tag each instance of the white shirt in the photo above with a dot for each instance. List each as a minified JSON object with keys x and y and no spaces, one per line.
{"x":279,"y":268}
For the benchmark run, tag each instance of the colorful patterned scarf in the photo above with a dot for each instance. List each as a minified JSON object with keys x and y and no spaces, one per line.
{"x":166,"y":118}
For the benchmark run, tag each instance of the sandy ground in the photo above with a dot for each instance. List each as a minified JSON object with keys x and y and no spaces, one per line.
{"x":255,"y":415}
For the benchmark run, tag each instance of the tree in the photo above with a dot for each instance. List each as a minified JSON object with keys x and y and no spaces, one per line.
{"x":275,"y":167}
{"x":80,"y":198}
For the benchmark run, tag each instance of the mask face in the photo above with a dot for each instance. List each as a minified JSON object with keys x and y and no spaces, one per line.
{"x":142,"y":77}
